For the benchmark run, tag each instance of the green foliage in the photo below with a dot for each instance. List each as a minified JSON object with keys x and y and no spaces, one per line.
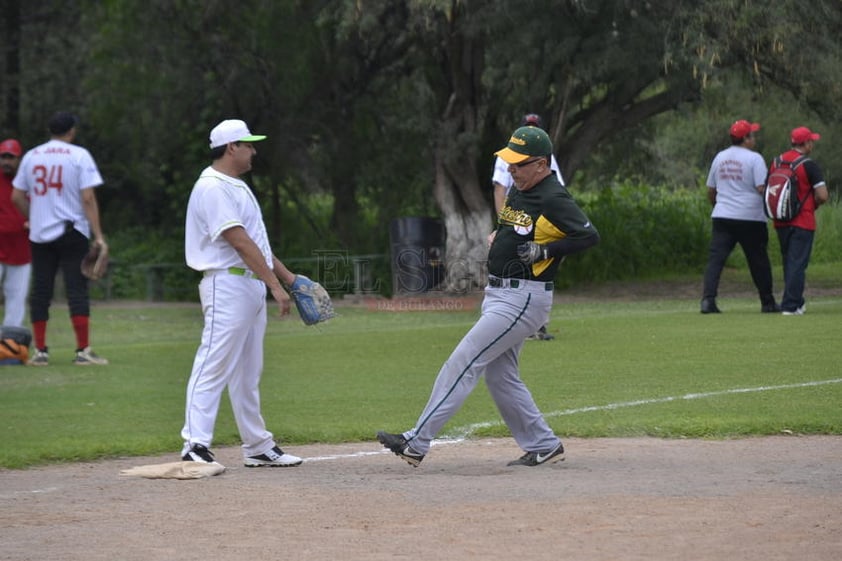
{"x":644,"y":231}
{"x":369,"y":105}
{"x":616,"y":369}
{"x":150,"y":265}
{"x":828,"y":237}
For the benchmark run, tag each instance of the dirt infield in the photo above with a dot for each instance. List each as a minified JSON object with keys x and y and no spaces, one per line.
{"x":771,"y":498}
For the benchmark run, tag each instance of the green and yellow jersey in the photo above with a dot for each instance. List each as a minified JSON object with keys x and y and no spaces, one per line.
{"x":545,"y":214}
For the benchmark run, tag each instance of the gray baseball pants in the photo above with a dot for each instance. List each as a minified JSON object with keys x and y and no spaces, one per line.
{"x":492,"y":348}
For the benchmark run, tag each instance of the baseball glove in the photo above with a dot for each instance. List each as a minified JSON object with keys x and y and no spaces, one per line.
{"x":95,"y":263}
{"x":312,"y":300}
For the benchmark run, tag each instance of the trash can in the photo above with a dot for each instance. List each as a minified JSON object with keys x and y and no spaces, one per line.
{"x":417,"y":254}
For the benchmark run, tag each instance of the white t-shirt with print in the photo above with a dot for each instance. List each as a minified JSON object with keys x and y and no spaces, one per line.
{"x":735,"y":174}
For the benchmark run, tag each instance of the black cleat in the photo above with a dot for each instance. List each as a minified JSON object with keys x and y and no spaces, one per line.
{"x":400,"y":447}
{"x":199,"y":453}
{"x":541,"y":335}
{"x":537,"y":458}
{"x":709,"y":306}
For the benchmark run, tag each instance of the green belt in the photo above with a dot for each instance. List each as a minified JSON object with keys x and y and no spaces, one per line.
{"x":238,"y":271}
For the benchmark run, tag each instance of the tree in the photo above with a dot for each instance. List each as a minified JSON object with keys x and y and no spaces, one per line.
{"x":597,"y":68}
{"x":10,"y":67}
{"x":581,"y":69}
{"x":393,"y":108}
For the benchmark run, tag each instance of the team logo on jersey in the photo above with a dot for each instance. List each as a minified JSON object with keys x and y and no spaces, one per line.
{"x":523,"y":230}
{"x":518,"y":219}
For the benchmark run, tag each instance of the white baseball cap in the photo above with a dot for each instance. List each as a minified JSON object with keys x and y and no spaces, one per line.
{"x":232,"y":130}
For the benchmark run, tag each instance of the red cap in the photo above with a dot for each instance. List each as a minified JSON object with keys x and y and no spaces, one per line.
{"x":742,"y":129}
{"x":532,"y":120}
{"x":11,"y":146}
{"x":802,"y":135}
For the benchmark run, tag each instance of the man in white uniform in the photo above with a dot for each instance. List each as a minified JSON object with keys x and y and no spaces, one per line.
{"x":735,"y":189}
{"x":55,"y":190}
{"x":225,"y":238}
{"x":503,"y":182}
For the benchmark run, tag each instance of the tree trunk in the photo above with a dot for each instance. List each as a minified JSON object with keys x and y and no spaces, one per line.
{"x":11,"y":36}
{"x":467,"y":221}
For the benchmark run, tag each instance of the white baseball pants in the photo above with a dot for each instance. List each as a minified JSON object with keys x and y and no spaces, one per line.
{"x":229,"y":355}
{"x":15,"y":289}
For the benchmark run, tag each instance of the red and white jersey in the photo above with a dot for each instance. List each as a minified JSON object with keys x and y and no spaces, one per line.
{"x":219,"y":202}
{"x":54,"y":175}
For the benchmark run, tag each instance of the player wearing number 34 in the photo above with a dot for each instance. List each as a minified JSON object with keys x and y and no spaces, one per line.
{"x":54,"y":188}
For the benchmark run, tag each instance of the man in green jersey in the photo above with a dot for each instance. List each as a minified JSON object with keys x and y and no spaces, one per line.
{"x":539,"y":225}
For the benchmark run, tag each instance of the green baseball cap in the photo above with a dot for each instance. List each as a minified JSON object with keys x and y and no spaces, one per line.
{"x":525,"y":143}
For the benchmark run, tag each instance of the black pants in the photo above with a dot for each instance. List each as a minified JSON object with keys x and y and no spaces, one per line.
{"x":65,"y":253}
{"x":753,"y":237}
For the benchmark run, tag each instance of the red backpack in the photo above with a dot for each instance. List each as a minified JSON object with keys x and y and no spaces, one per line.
{"x":780,"y":197}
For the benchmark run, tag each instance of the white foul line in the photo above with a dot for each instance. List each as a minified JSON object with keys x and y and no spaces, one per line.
{"x":470,"y":429}
{"x":461,"y":433}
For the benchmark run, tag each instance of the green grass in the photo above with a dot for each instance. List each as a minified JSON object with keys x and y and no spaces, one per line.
{"x":370,"y":370}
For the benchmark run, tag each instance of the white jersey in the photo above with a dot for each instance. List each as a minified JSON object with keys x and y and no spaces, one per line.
{"x":219,"y":202}
{"x":504,"y":178}
{"x":54,"y":175}
{"x":735,"y":174}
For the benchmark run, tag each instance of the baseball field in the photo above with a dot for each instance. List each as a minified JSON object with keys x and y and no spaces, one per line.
{"x":687,"y":436}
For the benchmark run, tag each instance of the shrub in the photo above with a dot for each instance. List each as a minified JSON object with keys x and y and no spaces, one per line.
{"x":645,"y":231}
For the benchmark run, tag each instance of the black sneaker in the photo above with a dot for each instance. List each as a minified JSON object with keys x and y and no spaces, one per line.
{"x":708,"y":306}
{"x":541,"y":335}
{"x":770,"y":308}
{"x":199,"y":453}
{"x":537,"y":458}
{"x":401,"y":448}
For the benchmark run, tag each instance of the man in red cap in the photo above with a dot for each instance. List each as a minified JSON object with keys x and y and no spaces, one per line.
{"x":796,"y":236}
{"x":15,"y":255}
{"x":735,"y":189}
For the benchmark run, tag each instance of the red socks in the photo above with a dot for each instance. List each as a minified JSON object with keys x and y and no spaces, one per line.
{"x":80,"y":327}
{"x":39,"y":333}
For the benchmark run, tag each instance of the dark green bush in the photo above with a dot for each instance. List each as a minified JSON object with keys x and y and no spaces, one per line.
{"x":645,"y":231}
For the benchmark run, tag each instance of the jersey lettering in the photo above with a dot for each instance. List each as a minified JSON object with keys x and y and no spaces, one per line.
{"x":47,"y":179}
{"x":512,"y":217}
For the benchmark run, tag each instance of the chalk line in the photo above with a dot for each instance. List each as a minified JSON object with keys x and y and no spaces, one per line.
{"x":462,"y":433}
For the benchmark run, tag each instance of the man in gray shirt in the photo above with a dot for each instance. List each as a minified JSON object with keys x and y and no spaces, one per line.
{"x":735,"y":189}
